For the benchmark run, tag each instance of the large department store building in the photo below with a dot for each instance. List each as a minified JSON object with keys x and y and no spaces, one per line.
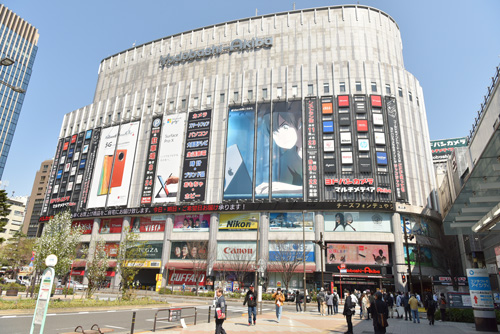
{"x":288,"y":126}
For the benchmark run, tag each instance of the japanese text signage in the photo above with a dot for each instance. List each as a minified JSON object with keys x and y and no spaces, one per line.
{"x":196,"y":156}
{"x":152,"y":157}
{"x":312,"y":149}
{"x":480,"y":288}
{"x":396,"y":149}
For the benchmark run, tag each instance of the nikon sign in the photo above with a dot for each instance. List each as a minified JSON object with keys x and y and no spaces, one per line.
{"x":215,"y":50}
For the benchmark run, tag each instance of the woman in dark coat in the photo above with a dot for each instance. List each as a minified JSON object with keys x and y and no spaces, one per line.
{"x":379,"y":307}
{"x":430,"y":305}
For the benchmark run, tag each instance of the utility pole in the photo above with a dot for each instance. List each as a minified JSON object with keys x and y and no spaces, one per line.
{"x":322,"y":246}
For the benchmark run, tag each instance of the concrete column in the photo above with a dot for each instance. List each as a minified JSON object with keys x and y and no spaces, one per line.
{"x":264,"y":237}
{"x":319,"y":227}
{"x":93,"y":239}
{"x":398,"y":258}
{"x":167,"y":243}
{"x":118,"y":278}
{"x":212,"y":243}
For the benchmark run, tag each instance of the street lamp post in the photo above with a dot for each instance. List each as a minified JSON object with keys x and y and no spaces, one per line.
{"x":304,"y":257}
{"x":256,"y":279}
{"x":322,"y":246}
{"x":419,"y":254}
{"x":6,"y":61}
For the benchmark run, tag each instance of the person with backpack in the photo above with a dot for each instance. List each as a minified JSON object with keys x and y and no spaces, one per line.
{"x":349,"y":308}
{"x":335,"y":302}
{"x":322,"y":302}
{"x":442,"y":307}
{"x":251,"y":300}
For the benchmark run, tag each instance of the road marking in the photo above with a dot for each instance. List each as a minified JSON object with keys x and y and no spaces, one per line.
{"x":83,"y":312}
{"x":111,"y":311}
{"x":114,"y":327}
{"x":9,"y":316}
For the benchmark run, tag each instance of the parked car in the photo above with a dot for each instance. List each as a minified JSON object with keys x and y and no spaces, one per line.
{"x":74,"y":284}
{"x":289,"y":295}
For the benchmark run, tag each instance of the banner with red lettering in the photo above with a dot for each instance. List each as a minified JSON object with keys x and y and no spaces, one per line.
{"x":186,"y":277}
{"x":148,"y":224}
{"x":236,"y":251}
{"x":86,"y":225}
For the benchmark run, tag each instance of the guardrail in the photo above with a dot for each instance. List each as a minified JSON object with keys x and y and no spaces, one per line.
{"x":177,"y":317}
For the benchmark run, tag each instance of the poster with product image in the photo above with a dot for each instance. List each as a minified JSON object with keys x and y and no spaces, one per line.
{"x":357,"y":254}
{"x":168,"y":165}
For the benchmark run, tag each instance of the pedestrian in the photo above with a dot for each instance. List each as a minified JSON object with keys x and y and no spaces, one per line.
{"x":322,"y":302}
{"x":413,"y":302}
{"x":380,"y":313}
{"x":430,"y":305}
{"x":349,"y":307}
{"x":365,"y":303}
{"x":220,"y":312}
{"x":279,"y":299}
{"x":298,"y":301}
{"x":251,"y":300}
{"x":371,"y":300}
{"x":442,"y":307}
{"x":406,"y":306}
{"x":183,"y":287}
{"x":335,"y":302}
{"x":329,"y":303}
{"x":360,"y":303}
{"x":390,"y":304}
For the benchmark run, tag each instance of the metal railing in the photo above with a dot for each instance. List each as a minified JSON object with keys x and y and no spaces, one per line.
{"x":169,"y":317}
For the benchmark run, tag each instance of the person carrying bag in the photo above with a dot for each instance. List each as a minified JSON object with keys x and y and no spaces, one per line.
{"x":380,"y":313}
{"x":220,"y":312}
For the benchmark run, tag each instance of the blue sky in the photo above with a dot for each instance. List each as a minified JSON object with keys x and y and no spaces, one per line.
{"x":451,"y":47}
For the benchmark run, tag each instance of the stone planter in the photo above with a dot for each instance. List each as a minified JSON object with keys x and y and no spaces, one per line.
{"x":11,"y":292}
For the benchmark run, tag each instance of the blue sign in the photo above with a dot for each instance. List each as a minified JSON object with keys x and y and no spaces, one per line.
{"x":82,"y":163}
{"x":88,"y":135}
{"x":381,"y":158}
{"x":327,"y":126}
{"x":59,"y":174}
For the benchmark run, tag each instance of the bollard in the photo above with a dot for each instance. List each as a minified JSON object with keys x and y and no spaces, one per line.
{"x":209,"y":310}
{"x":133,"y":324}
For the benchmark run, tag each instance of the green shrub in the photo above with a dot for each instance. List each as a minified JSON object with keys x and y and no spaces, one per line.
{"x":165,"y":291}
{"x":461,"y":315}
{"x":10,"y":286}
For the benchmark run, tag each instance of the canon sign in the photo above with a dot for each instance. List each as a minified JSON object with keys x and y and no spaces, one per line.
{"x":230,"y":250}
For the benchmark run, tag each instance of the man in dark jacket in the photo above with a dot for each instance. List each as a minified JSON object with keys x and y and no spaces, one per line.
{"x":405,"y":300}
{"x":220,"y":305}
{"x":349,"y":308}
{"x":251,"y":300}
{"x":379,"y":308}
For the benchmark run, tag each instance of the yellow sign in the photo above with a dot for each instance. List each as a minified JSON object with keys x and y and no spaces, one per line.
{"x":238,"y":221}
{"x":158,"y":282}
{"x":143,"y":263}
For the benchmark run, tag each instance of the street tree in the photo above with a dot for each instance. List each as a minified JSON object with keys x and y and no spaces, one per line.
{"x":284,"y":257}
{"x":198,"y":255}
{"x":16,"y":252}
{"x":97,"y":266}
{"x":60,"y":238}
{"x":129,"y":260}
{"x":4,"y":212}
{"x":239,"y":265}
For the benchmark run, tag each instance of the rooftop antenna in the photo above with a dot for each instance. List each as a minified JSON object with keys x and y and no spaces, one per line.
{"x":294,"y":6}
{"x":256,"y":11}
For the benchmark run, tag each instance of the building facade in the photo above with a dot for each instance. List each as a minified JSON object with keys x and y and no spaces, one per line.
{"x":15,"y":217}
{"x":251,"y":139}
{"x":18,"y":42}
{"x":34,"y":207}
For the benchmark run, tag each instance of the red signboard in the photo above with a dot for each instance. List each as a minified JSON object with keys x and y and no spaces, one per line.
{"x":343,"y":100}
{"x":112,"y":225}
{"x":77,"y":272}
{"x":186,"y":277}
{"x":73,"y":139}
{"x":86,"y":225}
{"x":376,"y":101}
{"x":147,"y":224}
{"x":111,"y":249}
{"x":362,"y":125}
{"x":65,"y":147}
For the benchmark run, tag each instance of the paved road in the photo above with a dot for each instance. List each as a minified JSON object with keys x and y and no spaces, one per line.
{"x":120,"y":320}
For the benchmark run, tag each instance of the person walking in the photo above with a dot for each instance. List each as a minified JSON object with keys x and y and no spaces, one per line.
{"x":279,"y":299}
{"x":251,"y":300}
{"x":371,"y":300}
{"x":405,"y":301}
{"x":430,"y":306}
{"x":220,"y":312}
{"x":349,"y":307}
{"x":399,"y":304}
{"x":390,"y":304}
{"x":442,"y":306}
{"x":379,"y":312}
{"x":413,"y":302}
{"x":322,"y":302}
{"x":335,"y":302}
{"x":329,"y":303}
{"x":365,"y":302}
{"x":298,"y":301}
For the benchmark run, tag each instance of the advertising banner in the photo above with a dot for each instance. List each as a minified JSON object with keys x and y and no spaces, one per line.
{"x":111,"y":249}
{"x":238,"y":172}
{"x":327,"y":105}
{"x":396,"y":149}
{"x":357,"y":222}
{"x":369,"y":254}
{"x":152,"y":157}
{"x":148,"y":264}
{"x":168,"y":165}
{"x":447,"y":280}
{"x":238,"y":221}
{"x":376,"y":101}
{"x":196,"y":151}
{"x":415,"y":225}
{"x":147,"y":224}
{"x":291,"y":221}
{"x":192,"y":223}
{"x":191,"y":250}
{"x":312,"y":149}
{"x":480,"y":288}
{"x":103,"y":164}
{"x":123,"y":161}
{"x":236,"y":251}
{"x":186,"y":277}
{"x":425,"y":256}
{"x":441,"y":149}
{"x":290,"y":251}
{"x":111,"y":225}
{"x":86,"y":165}
{"x":497,"y":255}
{"x":86,"y":225}
{"x":287,"y":150}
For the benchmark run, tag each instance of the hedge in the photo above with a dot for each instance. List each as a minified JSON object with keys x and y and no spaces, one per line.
{"x":462,"y":315}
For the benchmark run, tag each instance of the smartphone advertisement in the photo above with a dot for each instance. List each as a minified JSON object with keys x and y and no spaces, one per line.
{"x":168,"y":164}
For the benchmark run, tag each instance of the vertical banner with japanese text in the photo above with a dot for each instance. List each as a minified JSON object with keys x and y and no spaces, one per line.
{"x":396,"y":149}
{"x":196,"y":152}
{"x":52,"y":177}
{"x":149,"y":174}
{"x":311,"y":149}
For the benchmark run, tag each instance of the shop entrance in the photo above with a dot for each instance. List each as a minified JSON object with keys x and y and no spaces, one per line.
{"x":146,"y":278}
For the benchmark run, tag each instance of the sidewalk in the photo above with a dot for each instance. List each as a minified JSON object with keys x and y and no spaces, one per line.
{"x":312,"y":322}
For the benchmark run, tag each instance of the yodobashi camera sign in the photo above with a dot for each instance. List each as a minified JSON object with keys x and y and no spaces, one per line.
{"x":215,"y":50}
